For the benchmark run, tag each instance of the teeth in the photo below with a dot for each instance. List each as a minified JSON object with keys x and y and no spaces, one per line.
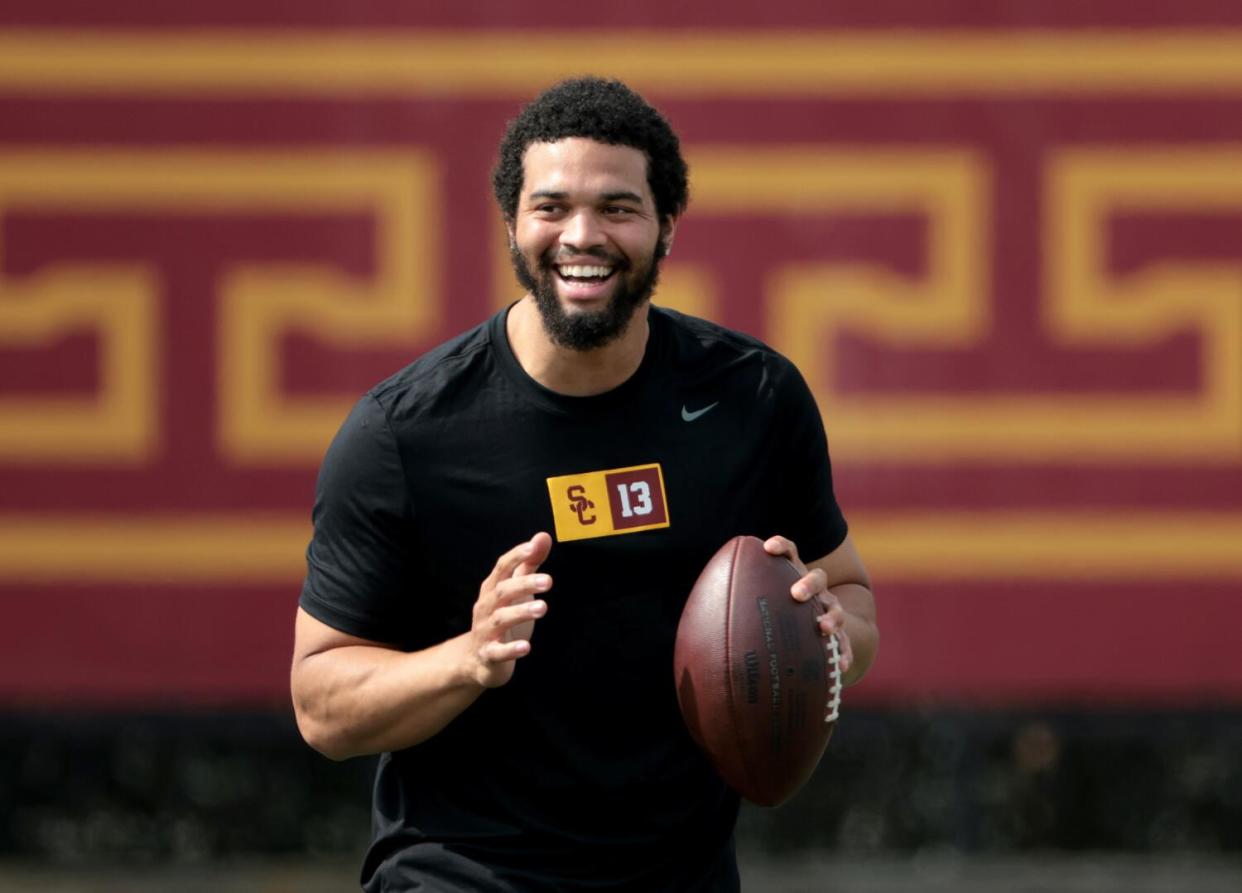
{"x":585,"y":272}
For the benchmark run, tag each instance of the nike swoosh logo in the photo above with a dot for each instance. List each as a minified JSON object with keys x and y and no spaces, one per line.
{"x":689,"y":416}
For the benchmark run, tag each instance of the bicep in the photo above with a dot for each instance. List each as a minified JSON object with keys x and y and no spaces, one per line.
{"x":328,"y":682}
{"x":312,"y":636}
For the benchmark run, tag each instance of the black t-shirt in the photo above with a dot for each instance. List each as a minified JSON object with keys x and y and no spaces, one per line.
{"x":579,"y":773}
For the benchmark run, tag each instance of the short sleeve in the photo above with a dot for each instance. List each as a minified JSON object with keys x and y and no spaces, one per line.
{"x":809,"y":511}
{"x":358,"y":562}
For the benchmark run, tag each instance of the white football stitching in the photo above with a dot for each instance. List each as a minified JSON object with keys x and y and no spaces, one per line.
{"x":834,"y":698}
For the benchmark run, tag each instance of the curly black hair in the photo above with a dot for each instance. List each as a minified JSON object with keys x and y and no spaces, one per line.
{"x":604,"y":110}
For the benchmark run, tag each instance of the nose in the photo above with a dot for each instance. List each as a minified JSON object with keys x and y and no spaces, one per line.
{"x":582,"y":231}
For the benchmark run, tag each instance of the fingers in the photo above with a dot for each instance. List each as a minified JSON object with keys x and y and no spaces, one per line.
{"x":501,"y":634}
{"x":779,"y":545}
{"x":832,"y":618}
{"x":516,"y":588}
{"x":832,"y":623}
{"x":813,"y":583}
{"x":532,"y":553}
{"x":539,"y":546}
{"x":809,"y":584}
{"x":506,"y":610}
{"x":502,"y":620}
{"x":503,"y":652}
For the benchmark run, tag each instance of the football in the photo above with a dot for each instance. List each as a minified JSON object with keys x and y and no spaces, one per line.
{"x":759,"y":687}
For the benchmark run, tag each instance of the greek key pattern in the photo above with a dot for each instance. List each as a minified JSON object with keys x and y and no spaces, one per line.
{"x":808,"y":309}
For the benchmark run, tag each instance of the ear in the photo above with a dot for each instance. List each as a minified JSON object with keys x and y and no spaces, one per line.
{"x":509,"y":228}
{"x":667,"y":230}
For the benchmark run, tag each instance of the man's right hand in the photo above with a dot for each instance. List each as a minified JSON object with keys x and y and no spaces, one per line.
{"x":506,"y":611}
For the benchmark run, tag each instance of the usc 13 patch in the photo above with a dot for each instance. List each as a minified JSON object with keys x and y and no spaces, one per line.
{"x":608,"y":503}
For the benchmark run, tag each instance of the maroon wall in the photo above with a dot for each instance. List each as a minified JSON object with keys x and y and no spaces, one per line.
{"x":1002,"y":245}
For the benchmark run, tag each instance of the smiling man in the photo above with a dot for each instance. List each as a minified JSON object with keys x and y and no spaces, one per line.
{"x":584,"y":243}
{"x":506,"y":532}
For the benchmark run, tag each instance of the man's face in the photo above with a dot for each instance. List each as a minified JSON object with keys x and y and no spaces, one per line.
{"x":586,"y":240}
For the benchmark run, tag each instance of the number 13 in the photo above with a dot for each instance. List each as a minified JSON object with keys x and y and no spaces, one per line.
{"x":642,"y":497}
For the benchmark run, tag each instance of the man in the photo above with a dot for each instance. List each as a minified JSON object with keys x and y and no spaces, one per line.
{"x":506,"y":532}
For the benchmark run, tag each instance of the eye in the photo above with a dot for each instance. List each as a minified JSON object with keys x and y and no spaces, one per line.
{"x":617,"y":210}
{"x":548,"y":209}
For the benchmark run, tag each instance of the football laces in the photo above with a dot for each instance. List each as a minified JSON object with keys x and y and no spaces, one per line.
{"x":834,"y":692}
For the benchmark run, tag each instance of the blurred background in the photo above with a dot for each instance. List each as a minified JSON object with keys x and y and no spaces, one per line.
{"x":1003,"y":242}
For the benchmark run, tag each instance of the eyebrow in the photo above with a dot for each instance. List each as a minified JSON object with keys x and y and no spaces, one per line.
{"x":622,"y":197}
{"x":607,"y":196}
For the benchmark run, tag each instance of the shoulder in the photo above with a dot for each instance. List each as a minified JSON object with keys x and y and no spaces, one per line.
{"x":692,"y":332}
{"x":700,"y":347}
{"x":449,"y":372}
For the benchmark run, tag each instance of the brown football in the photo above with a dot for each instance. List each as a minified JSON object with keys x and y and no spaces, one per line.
{"x":759,"y":687}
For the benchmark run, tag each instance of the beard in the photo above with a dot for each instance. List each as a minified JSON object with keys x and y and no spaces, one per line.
{"x":588,"y":329}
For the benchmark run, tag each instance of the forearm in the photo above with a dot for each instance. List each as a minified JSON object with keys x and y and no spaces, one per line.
{"x":363,"y":699}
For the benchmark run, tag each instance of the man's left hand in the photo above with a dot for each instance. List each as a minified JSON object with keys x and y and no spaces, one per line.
{"x":811,"y":584}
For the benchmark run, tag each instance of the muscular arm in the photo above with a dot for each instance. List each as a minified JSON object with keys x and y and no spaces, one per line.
{"x":353,"y":696}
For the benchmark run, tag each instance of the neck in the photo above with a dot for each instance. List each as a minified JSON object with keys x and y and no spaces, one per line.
{"x":575,"y":373}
